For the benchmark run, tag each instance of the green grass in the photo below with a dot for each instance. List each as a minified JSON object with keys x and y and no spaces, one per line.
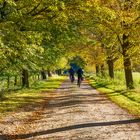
{"x":117,"y":92}
{"x":32,"y":96}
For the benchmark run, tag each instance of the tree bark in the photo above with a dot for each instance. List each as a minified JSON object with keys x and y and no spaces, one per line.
{"x":56,"y":72}
{"x":43,"y":75}
{"x":49,"y":73}
{"x":15,"y":82}
{"x":102,"y":70}
{"x":110,"y":68}
{"x":25,"y":78}
{"x":38,"y":76}
{"x":127,"y":63}
{"x":97,"y":69}
{"x":59,"y":72}
{"x":8,"y":81}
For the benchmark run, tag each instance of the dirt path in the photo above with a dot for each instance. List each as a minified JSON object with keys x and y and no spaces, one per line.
{"x":74,"y":114}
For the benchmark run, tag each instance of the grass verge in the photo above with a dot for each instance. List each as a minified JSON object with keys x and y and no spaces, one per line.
{"x":127,"y":99}
{"x":34,"y":95}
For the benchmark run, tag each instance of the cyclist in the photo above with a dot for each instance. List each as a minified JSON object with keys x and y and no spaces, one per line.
{"x":71,"y":74}
{"x":80,"y":76}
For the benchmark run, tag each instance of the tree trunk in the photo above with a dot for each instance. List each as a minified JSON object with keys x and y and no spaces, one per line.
{"x":15,"y":82}
{"x":97,"y":70}
{"x":59,"y":72}
{"x":102,"y":70}
{"x":111,"y":68}
{"x":25,"y":78}
{"x":127,"y":63}
{"x":56,"y":72}
{"x":20,"y":80}
{"x":128,"y":73}
{"x":38,"y":76}
{"x":8,"y":81}
{"x":43,"y":75}
{"x":49,"y":73}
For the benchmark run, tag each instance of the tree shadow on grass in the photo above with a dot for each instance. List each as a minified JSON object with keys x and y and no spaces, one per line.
{"x":71,"y":127}
{"x":124,"y":93}
{"x":99,"y":85}
{"x":114,"y":92}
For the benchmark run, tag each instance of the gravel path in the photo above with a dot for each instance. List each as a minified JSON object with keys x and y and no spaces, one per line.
{"x":73,"y":113}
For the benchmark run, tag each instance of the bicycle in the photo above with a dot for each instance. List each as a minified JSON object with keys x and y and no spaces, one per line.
{"x":80,"y":79}
{"x":72,"y":78}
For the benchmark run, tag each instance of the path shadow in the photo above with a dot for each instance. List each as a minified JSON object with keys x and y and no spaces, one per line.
{"x":73,"y":102}
{"x":71,"y":127}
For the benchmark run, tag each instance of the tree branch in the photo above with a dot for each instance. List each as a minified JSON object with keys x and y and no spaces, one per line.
{"x":34,"y":8}
{"x":119,"y":39}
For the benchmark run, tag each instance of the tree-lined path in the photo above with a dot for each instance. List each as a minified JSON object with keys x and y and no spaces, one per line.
{"x":73,"y":113}
{"x":40,"y":40}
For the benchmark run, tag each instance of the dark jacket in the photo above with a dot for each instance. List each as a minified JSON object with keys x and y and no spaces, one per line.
{"x":71,"y":71}
{"x":79,"y":72}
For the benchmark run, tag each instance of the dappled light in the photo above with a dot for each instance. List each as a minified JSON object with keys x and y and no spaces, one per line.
{"x":71,"y":110}
{"x":70,"y":69}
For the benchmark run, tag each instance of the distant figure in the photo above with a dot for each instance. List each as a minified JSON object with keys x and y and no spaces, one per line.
{"x":71,"y":74}
{"x":80,"y":76}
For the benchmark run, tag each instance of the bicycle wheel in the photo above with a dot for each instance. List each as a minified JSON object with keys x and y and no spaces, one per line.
{"x":71,"y":78}
{"x":79,"y":82}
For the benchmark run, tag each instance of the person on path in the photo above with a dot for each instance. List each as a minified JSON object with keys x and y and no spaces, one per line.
{"x":71,"y":74}
{"x":80,"y":76}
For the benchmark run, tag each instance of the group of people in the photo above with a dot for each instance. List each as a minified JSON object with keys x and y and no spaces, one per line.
{"x":79,"y":75}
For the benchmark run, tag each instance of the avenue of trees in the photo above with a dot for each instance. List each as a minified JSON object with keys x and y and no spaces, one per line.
{"x":41,"y":36}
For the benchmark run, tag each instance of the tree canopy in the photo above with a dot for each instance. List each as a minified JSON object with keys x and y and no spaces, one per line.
{"x":38,"y":35}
